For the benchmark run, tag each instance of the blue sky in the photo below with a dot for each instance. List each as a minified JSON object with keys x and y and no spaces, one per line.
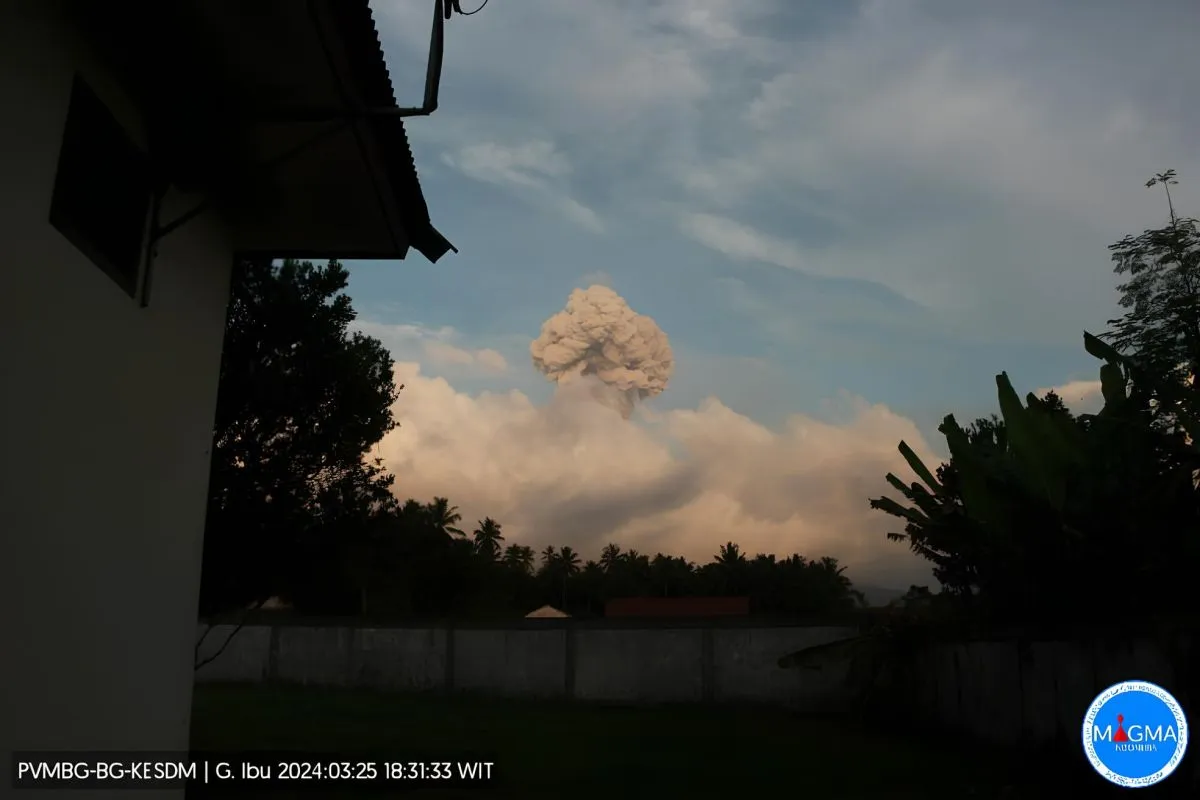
{"x":820,"y":203}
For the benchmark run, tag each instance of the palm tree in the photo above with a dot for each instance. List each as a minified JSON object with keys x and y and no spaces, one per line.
{"x":567,"y":562}
{"x":730,"y":569}
{"x":488,"y":538}
{"x":730,"y":554}
{"x":641,"y":575}
{"x":412,"y":509}
{"x":519,"y":557}
{"x":592,"y":579}
{"x":444,"y":517}
{"x":610,"y":556}
{"x":549,"y":558}
{"x":672,"y":575}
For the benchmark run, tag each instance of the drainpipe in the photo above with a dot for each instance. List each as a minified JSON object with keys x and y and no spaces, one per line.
{"x":348,"y":112}
{"x":442,"y":10}
{"x":433,"y":76}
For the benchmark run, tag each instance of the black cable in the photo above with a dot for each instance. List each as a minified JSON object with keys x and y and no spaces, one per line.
{"x":455,"y":5}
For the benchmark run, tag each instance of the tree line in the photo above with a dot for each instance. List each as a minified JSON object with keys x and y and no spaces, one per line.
{"x":417,"y":561}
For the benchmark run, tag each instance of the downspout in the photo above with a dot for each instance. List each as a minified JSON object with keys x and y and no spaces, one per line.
{"x":442,"y":11}
{"x":433,"y":76}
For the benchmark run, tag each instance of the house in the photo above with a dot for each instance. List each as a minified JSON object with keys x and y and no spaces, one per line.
{"x":547,"y":612}
{"x":677,"y":607}
{"x":143,"y":145}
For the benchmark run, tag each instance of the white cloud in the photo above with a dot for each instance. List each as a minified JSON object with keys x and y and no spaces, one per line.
{"x":441,"y":352}
{"x":976,"y":104}
{"x":622,"y":90}
{"x":491,"y":360}
{"x":535,"y":169}
{"x":956,"y":153}
{"x":681,"y":481}
{"x":1082,"y":397}
{"x":580,"y":214}
{"x":911,"y":266}
{"x":435,"y":347}
{"x":444,"y":353}
{"x":741,"y":242}
{"x":527,"y":164}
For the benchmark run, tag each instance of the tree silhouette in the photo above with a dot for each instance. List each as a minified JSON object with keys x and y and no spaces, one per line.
{"x":549,"y":558}
{"x":1036,"y":507}
{"x":408,"y":566}
{"x":610,"y":557}
{"x":301,"y":401}
{"x":669,"y":574}
{"x":566,"y":565}
{"x":1034,"y":510}
{"x":568,"y":561}
{"x":1161,"y":326}
{"x":519,"y":558}
{"x":730,"y":554}
{"x":445,"y":516}
{"x":488,"y":538}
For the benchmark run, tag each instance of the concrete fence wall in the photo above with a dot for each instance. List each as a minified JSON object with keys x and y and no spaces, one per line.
{"x":619,"y":664}
{"x":1027,"y":693}
{"x":1034,"y":694}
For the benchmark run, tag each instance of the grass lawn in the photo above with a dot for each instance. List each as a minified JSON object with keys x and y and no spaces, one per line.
{"x":561,"y":750}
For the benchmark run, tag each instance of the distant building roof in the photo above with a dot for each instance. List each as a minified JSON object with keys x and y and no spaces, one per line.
{"x":678,"y":607}
{"x":547,"y":612}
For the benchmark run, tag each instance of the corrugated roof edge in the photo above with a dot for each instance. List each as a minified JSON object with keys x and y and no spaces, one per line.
{"x":371,"y":74}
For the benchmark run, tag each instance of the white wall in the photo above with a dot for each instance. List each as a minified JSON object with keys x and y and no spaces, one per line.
{"x":106,"y":415}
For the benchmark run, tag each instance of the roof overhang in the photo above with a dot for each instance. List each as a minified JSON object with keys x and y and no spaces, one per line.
{"x":222,"y":83}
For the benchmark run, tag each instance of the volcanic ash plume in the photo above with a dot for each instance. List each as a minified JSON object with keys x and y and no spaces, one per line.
{"x":598,"y":334}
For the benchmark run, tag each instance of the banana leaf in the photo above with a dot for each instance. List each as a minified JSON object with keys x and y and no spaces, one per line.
{"x":890,"y":506}
{"x":819,"y":656}
{"x":978,"y":497}
{"x":919,"y":467}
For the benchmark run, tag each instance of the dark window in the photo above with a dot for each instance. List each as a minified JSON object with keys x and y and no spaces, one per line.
{"x":102,"y":189}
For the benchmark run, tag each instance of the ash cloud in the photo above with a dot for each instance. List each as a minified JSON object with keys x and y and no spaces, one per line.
{"x":597,"y":335}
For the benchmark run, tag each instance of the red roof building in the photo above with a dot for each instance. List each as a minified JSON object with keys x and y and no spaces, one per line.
{"x":678,"y":607}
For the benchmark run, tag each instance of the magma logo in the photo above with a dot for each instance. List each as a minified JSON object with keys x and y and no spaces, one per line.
{"x":1135,"y":734}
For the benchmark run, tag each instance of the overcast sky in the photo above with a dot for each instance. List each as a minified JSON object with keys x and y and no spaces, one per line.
{"x":847,"y":217}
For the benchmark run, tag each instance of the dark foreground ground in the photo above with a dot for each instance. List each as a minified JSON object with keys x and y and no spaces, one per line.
{"x":573,"y":751}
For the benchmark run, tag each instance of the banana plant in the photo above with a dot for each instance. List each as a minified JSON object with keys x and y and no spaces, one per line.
{"x":1030,"y":512}
{"x":1040,"y":457}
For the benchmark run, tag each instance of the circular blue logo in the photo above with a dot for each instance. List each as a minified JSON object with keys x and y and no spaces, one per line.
{"x":1135,"y":734}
